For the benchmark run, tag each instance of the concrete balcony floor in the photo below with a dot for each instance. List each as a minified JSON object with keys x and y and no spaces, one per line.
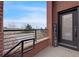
{"x":57,"y":52}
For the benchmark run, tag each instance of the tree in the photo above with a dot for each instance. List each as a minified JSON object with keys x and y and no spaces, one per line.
{"x":28,"y":27}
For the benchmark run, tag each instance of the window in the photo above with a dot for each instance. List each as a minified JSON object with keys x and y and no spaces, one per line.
{"x":67,"y":26}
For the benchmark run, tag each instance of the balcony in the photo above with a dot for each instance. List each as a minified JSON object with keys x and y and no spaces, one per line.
{"x":15,"y":36}
{"x":19,"y":41}
{"x":57,"y":52}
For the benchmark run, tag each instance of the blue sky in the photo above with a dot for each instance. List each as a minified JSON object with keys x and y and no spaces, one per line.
{"x":20,"y":13}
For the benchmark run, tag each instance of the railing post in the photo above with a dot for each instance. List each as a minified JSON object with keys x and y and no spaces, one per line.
{"x":22,"y":48}
{"x":33,"y":43}
{"x":35,"y":34}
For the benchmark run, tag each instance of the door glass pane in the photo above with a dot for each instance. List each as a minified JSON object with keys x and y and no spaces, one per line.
{"x":67,"y":27}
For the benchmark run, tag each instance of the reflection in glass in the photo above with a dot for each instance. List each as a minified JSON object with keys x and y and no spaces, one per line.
{"x":67,"y":27}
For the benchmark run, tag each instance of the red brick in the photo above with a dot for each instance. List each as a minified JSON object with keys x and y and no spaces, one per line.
{"x":53,"y":7}
{"x":1,"y":28}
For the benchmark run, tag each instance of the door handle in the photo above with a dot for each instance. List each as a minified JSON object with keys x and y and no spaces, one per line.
{"x":75,"y":32}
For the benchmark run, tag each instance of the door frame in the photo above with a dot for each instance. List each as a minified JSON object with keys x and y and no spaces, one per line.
{"x":60,"y":27}
{"x":78,"y":29}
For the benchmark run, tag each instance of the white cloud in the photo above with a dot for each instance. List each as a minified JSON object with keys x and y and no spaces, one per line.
{"x":26,"y":8}
{"x":30,"y":8}
{"x":34,"y":19}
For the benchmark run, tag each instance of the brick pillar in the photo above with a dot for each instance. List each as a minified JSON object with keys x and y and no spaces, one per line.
{"x":49,"y":21}
{"x":1,"y":28}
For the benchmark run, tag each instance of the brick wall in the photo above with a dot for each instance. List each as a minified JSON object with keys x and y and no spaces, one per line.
{"x":61,"y":5}
{"x":53,"y":8}
{"x":49,"y":20}
{"x":1,"y":28}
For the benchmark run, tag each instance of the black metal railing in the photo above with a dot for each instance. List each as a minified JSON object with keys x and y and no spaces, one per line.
{"x":12,"y":37}
{"x":22,"y":47}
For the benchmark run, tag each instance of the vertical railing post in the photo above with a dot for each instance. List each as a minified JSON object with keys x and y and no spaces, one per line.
{"x":35,"y":34}
{"x":22,"y":48}
{"x":33,"y":43}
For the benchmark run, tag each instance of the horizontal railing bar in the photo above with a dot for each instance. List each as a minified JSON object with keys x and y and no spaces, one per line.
{"x":28,"y":39}
{"x":16,"y":33}
{"x":25,"y":30}
{"x":18,"y":36}
{"x":19,"y":33}
{"x":17,"y":39}
{"x":10,"y":43}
